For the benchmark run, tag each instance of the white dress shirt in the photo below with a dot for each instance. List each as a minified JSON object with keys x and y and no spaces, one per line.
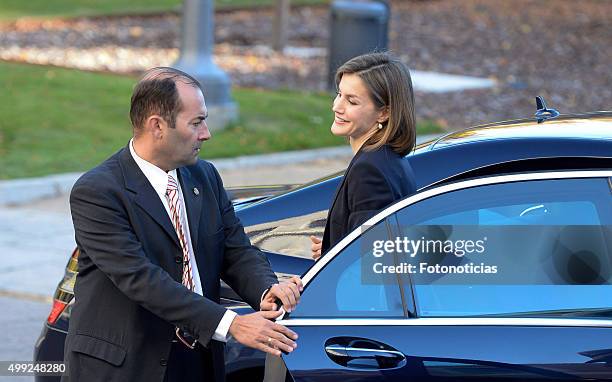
{"x":159,"y":180}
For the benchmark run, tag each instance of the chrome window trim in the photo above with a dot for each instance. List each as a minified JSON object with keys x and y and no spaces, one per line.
{"x":449,"y":321}
{"x":506,"y":162}
{"x":312,"y":272}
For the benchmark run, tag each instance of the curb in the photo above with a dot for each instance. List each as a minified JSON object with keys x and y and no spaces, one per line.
{"x":22,"y":191}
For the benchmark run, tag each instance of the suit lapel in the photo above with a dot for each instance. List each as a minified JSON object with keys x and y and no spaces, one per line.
{"x":192,"y":195}
{"x":145,"y":195}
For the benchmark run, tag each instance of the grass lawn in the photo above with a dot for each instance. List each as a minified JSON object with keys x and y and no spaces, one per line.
{"x":59,"y":120}
{"x":12,"y":9}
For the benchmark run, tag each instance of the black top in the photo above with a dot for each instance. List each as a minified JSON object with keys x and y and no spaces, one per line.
{"x":372,"y":181}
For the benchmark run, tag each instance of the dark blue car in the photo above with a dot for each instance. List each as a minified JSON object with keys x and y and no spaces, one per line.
{"x":535,"y":304}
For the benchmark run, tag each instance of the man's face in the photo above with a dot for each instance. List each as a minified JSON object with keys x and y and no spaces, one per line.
{"x":181,"y":145}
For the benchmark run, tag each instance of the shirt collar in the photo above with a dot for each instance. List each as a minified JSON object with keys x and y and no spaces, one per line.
{"x":155,"y":175}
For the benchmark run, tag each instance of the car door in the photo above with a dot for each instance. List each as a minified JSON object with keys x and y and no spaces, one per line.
{"x":543,"y":314}
{"x":338,"y":294}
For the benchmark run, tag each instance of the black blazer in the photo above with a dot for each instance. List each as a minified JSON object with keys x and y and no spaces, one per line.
{"x":372,"y":181}
{"x":128,"y":292}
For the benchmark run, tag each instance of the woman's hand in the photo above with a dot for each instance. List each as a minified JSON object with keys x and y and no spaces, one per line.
{"x":288,"y":292}
{"x":316,"y":247}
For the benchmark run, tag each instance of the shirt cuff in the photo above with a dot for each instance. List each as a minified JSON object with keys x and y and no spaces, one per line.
{"x":221,"y":333}
{"x":264,"y":295}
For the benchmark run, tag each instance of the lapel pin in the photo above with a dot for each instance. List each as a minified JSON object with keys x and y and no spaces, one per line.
{"x":196,"y":191}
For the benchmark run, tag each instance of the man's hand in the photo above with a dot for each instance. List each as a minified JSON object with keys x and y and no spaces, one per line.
{"x":288,"y":292}
{"x":315,"y":248}
{"x":256,"y":330}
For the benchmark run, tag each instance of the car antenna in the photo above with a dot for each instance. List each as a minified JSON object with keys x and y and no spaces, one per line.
{"x":543,"y":113}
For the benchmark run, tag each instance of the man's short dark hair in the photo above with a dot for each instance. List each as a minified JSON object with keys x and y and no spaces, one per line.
{"x":156,"y":93}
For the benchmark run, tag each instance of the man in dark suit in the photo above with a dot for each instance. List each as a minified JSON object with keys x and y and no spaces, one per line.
{"x":156,"y":232}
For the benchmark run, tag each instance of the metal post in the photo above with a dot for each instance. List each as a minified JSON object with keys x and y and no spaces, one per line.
{"x":197,"y":43}
{"x":281,"y":25}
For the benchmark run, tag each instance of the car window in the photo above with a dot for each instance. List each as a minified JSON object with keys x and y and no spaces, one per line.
{"x":523,"y":248}
{"x":339,"y":290}
{"x":290,"y":236}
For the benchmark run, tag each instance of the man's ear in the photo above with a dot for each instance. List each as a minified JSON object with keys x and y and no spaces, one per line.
{"x":156,"y":126}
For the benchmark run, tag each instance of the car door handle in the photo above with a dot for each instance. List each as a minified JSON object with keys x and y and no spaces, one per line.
{"x":365,"y":357}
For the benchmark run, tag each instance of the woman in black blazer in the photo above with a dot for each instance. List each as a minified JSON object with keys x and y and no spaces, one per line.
{"x":374,"y":109}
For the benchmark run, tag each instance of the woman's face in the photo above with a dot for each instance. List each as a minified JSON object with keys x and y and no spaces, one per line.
{"x":355,"y":114}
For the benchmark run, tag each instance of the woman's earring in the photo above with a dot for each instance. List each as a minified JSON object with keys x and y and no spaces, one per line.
{"x":380,"y":126}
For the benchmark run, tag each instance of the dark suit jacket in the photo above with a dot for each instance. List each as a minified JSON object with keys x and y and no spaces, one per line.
{"x":372,"y":181}
{"x":128,"y":293}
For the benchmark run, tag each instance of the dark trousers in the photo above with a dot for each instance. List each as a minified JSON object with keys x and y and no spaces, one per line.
{"x":189,"y":365}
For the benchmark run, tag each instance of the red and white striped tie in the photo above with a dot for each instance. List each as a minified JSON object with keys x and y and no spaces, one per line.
{"x":176,"y":211}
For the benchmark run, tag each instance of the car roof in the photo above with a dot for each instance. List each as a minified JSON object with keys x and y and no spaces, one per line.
{"x":565,"y":142}
{"x":597,"y":125}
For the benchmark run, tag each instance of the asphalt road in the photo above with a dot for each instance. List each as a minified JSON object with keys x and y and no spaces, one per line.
{"x":20,"y":324}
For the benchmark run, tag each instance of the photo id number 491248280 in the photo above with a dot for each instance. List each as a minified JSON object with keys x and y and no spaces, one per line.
{"x":31,"y":368}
